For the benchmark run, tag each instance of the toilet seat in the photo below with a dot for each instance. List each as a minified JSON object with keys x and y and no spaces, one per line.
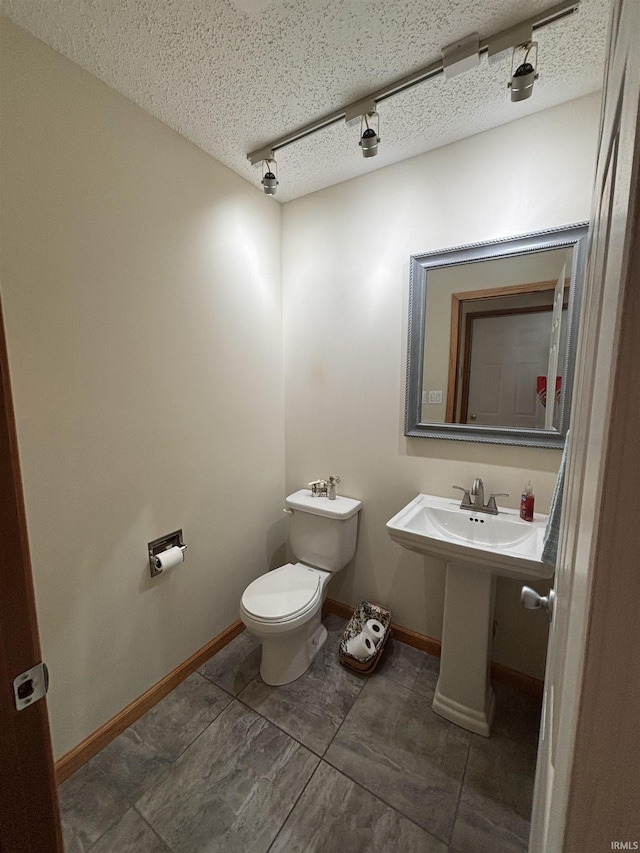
{"x":283,"y":594}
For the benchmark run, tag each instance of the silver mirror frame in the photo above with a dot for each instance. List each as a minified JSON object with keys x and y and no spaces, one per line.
{"x":554,"y":238}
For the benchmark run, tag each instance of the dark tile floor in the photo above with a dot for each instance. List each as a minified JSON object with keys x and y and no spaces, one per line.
{"x":332,"y":762}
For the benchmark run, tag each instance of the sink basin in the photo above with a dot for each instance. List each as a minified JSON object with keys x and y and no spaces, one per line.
{"x":502,"y":544}
{"x":475,"y":547}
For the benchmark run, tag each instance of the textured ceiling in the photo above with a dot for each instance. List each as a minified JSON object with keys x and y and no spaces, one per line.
{"x":232,"y":77}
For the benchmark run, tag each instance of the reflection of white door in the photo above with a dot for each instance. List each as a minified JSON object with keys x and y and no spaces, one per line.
{"x":586,"y":796}
{"x":508,"y":352}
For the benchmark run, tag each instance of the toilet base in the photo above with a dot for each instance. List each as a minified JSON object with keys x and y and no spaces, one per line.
{"x":286,"y":657}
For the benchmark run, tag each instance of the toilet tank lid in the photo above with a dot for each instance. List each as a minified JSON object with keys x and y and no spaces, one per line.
{"x":341,"y":507}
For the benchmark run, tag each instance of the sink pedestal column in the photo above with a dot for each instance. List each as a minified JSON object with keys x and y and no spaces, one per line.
{"x":463,"y":694}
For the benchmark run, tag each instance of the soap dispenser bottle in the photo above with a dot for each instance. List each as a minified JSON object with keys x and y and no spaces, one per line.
{"x":526,"y":503}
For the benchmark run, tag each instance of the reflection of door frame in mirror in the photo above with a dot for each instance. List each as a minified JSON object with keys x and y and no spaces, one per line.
{"x":458,"y":382}
{"x":569,"y":237}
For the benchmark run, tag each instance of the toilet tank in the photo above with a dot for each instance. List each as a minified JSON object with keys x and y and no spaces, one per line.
{"x":322,"y":533}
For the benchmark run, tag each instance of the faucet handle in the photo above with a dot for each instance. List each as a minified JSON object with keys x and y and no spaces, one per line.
{"x":491,"y":503}
{"x":466,"y":498}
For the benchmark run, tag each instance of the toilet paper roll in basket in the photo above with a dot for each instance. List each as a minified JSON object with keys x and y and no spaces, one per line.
{"x":375,"y":630}
{"x":168,"y":559}
{"x":361,"y":646}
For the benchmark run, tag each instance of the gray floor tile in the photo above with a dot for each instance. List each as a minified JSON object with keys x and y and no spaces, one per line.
{"x":333,"y":623}
{"x":517,"y":715}
{"x":210,"y":774}
{"x":495,"y":803}
{"x":234,"y":666}
{"x":130,"y":835}
{"x":475,"y":834}
{"x":232,"y":789}
{"x":410,"y":667}
{"x":138,"y":756}
{"x":89,"y":804}
{"x":312,"y":707}
{"x":334,"y":814}
{"x":395,"y":746}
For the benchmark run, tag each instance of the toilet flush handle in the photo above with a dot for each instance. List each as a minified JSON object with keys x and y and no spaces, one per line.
{"x":288,"y":511}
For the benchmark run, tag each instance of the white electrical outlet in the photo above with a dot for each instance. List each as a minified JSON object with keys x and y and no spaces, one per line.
{"x":435,"y":397}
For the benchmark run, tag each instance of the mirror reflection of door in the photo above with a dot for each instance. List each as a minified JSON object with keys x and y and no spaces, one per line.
{"x":507,"y":350}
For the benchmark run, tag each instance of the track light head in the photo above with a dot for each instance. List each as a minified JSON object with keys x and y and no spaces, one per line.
{"x":369,"y":138}
{"x":269,"y":179}
{"x":369,"y":143}
{"x":525,"y":75}
{"x":270,"y":183}
{"x":522,"y":82}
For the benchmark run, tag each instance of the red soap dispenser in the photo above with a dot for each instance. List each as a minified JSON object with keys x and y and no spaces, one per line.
{"x":526,"y":503}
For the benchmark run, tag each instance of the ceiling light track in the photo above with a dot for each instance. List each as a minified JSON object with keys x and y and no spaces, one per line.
{"x":493,"y":46}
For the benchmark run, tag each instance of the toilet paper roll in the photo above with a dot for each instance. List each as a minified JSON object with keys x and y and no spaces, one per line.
{"x":375,"y":630}
{"x":361,"y":646}
{"x":168,"y":559}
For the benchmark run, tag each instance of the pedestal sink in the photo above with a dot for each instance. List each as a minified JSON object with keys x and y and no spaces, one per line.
{"x":476,"y":547}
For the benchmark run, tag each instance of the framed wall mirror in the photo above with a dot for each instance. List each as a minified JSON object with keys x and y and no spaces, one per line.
{"x":492,"y":337}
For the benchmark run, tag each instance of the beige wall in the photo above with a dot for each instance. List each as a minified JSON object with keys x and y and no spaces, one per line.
{"x":141,"y":289}
{"x":345,"y":289}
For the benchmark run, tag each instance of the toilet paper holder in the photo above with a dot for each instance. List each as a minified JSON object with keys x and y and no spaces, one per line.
{"x":172,"y":540}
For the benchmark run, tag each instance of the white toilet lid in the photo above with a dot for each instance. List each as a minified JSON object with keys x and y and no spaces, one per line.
{"x":282,"y":593}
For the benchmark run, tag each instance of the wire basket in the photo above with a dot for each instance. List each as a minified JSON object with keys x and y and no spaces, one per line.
{"x":364,"y":612}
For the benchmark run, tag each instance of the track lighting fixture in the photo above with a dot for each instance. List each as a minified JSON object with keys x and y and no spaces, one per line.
{"x":369,"y":137}
{"x":525,"y":75}
{"x":269,"y":179}
{"x":457,"y":58}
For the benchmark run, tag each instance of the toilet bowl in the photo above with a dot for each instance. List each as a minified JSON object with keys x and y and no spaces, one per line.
{"x":283,"y":608}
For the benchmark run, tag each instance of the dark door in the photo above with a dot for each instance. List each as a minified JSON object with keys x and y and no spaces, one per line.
{"x":29,"y":821}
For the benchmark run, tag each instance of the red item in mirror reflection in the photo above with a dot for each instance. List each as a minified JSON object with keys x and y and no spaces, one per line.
{"x":541,"y":389}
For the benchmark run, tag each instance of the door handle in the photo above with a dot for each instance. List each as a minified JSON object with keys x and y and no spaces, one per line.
{"x":532,"y":600}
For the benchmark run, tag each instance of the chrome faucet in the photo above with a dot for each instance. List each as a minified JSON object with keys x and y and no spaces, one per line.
{"x":477,"y":493}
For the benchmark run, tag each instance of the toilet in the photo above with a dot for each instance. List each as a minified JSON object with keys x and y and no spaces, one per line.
{"x":284,"y":607}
